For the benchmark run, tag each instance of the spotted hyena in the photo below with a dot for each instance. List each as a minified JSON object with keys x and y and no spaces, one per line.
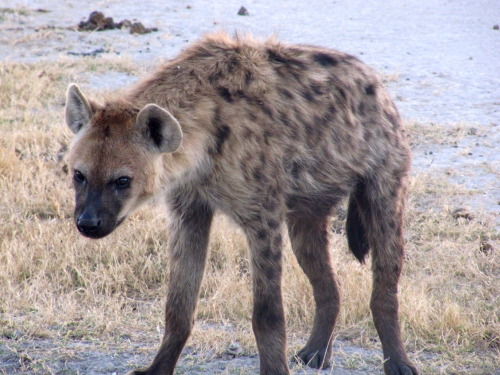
{"x":268,"y":134}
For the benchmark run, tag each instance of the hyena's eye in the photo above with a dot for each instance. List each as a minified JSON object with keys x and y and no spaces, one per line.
{"x":78,"y":176}
{"x":123,"y":182}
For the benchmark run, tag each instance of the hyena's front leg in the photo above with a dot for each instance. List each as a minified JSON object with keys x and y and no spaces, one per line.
{"x":268,"y":320}
{"x":189,"y":232}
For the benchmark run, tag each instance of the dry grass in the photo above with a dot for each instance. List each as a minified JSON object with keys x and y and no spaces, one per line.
{"x":57,"y":284}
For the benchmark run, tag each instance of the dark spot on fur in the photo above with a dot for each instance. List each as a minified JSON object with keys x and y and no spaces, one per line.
{"x":214,"y":77}
{"x":317,"y":89}
{"x":286,"y":94}
{"x":308,"y":96}
{"x":392,"y":118}
{"x":319,"y":121}
{"x":216,"y":119}
{"x":283,"y":118}
{"x":332,"y":109}
{"x":277,"y":240}
{"x":225,"y":94}
{"x":342,"y":93}
{"x":271,"y":269}
{"x":251,"y":114}
{"x":288,"y":61}
{"x":370,"y":90}
{"x":247,"y":133}
{"x":297,"y":75}
{"x":266,"y":109}
{"x":392,"y":224}
{"x":257,"y":174}
{"x":273,"y":224}
{"x":354,"y":108}
{"x":262,"y":234}
{"x":270,"y":204}
{"x":361,"y":108}
{"x":324,"y":59}
{"x":106,"y":131}
{"x":220,"y":137}
{"x":248,"y":77}
{"x":367,"y":135}
{"x":273,"y":56}
{"x":310,"y":130}
{"x":232,"y":64}
{"x":240,"y":94}
{"x":335,"y":136}
{"x":295,"y":170}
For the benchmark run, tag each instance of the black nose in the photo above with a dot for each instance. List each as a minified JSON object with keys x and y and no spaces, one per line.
{"x":88,"y":224}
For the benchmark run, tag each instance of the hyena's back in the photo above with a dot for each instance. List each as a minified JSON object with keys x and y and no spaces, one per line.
{"x":315,"y":120}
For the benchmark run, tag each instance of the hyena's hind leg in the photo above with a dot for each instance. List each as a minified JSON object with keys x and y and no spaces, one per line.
{"x":309,"y":238}
{"x":188,"y":242}
{"x":378,"y":205}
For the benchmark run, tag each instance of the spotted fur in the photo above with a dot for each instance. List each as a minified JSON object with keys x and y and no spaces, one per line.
{"x":271,"y":134}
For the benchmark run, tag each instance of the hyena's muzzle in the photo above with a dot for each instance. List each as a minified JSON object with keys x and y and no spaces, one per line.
{"x":97,"y":210}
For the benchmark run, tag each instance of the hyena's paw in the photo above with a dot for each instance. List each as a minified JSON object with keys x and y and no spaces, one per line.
{"x":318,"y":358}
{"x":393,"y":367}
{"x":141,"y":371}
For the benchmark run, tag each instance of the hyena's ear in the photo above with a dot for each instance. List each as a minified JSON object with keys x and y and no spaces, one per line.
{"x":160,"y":128}
{"x":78,"y":109}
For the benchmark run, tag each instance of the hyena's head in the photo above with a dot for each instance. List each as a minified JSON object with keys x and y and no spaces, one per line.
{"x":115,"y":158}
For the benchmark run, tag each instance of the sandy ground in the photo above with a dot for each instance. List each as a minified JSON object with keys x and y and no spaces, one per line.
{"x":442,"y":57}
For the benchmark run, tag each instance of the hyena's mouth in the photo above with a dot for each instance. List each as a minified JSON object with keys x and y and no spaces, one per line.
{"x":99,"y":231}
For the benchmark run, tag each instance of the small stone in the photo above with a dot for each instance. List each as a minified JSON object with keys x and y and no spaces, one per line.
{"x":137,"y":28}
{"x":486,"y":248}
{"x":462,"y":213}
{"x":96,"y":22}
{"x":124,"y":23}
{"x":234,"y":350}
{"x":243,"y":12}
{"x":108,"y":23}
{"x":496,"y":27}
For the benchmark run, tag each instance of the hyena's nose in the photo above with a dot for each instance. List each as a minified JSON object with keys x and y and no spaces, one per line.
{"x":88,"y":224}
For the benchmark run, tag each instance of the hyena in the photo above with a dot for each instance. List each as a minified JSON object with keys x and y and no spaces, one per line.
{"x":270,"y":135}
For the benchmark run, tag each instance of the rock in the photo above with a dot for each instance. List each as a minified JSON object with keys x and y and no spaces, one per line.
{"x":462,"y":213}
{"x":124,"y":23}
{"x":496,"y":27}
{"x":98,"y":22}
{"x":138,"y":28}
{"x":234,"y":350}
{"x":472,"y":131}
{"x":485,"y":247}
{"x":243,"y":12}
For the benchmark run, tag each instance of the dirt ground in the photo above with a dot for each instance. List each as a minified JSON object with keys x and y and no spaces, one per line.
{"x":440,"y":60}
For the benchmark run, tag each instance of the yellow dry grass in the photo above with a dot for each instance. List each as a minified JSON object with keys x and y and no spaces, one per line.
{"x":56,"y":283}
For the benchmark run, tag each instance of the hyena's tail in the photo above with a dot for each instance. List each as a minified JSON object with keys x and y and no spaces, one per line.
{"x":355,"y":228}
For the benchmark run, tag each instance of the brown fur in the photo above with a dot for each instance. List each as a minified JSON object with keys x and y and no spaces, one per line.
{"x":271,"y":134}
